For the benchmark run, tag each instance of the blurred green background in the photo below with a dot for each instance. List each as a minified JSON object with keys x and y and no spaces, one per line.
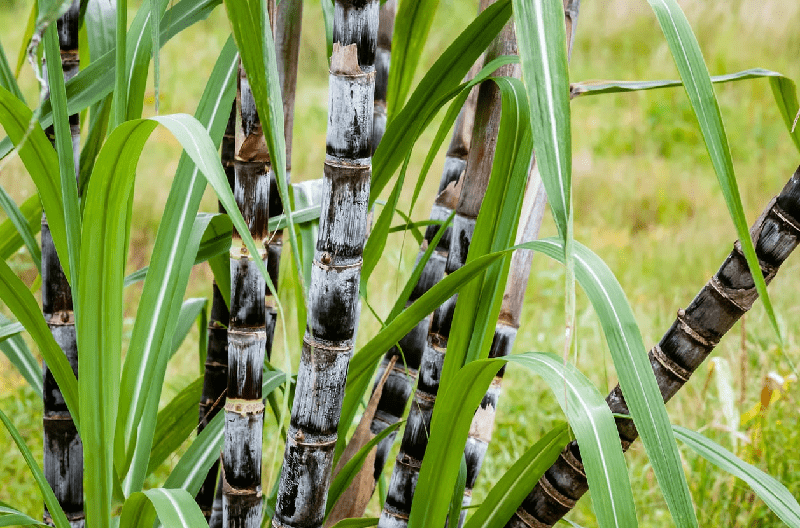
{"x":646,"y":200}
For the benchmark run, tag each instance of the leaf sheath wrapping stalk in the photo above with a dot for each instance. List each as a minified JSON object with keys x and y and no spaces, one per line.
{"x":63,"y":450}
{"x":505,"y":332}
{"x":335,"y":276}
{"x":691,"y":338}
{"x":478,"y":166}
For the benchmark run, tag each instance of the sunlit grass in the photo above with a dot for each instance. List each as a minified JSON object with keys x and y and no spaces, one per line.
{"x":646,"y":200}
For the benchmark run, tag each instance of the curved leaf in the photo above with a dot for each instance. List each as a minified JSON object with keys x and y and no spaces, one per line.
{"x":770,"y":490}
{"x":697,"y":82}
{"x":18,"y":354}
{"x":505,"y":497}
{"x":24,"y":230}
{"x":59,"y":519}
{"x":10,"y":238}
{"x":41,"y":162}
{"x":22,"y":304}
{"x":175,"y":508}
{"x":588,"y":415}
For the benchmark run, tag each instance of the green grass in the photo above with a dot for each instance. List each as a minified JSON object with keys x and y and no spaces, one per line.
{"x":646,"y":200}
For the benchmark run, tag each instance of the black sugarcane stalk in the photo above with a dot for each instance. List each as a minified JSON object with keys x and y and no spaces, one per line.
{"x":335,"y":277}
{"x":383,"y":59}
{"x":505,"y":334}
{"x":691,"y":338}
{"x":215,"y":379}
{"x":408,"y":354}
{"x":63,"y":449}
{"x":247,"y":336}
{"x":473,"y":187}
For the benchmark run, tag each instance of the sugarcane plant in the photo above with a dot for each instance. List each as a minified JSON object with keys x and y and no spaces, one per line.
{"x":489,"y":204}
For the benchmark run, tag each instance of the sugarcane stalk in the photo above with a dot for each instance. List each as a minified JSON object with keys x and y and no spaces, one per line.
{"x":383,"y":58}
{"x":215,"y":379}
{"x":336,"y":271}
{"x":247,"y":337}
{"x":688,"y":342}
{"x":407,"y":355}
{"x":473,"y":186}
{"x":63,"y":449}
{"x":505,"y":334}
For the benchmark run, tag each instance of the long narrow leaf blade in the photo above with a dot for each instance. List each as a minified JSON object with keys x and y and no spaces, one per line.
{"x":697,"y":82}
{"x":771,"y":491}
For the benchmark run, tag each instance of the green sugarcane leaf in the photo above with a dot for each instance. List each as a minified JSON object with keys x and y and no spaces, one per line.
{"x":412,"y":25}
{"x":174,"y":424}
{"x":22,"y":226}
{"x":433,"y":91}
{"x":50,"y":11}
{"x":155,"y":33}
{"x":167,"y":275}
{"x":307,"y":194}
{"x":606,"y":87}
{"x":541,"y":37}
{"x":376,"y":243}
{"x":444,"y":128}
{"x":589,"y":418}
{"x":96,"y":81}
{"x":100,"y":25}
{"x":66,"y":156}
{"x":697,"y":82}
{"x":59,"y":519}
{"x":253,"y":34}
{"x":413,"y":226}
{"x":454,"y":515}
{"x":120,"y":99}
{"x":505,"y":497}
{"x":190,"y":312}
{"x":105,"y":240}
{"x":20,"y":301}
{"x":416,"y":273}
{"x":26,"y":38}
{"x":9,"y":328}
{"x":770,"y":490}
{"x":20,"y":356}
{"x":192,"y":468}
{"x":479,"y":302}
{"x":175,"y":508}
{"x":13,"y":517}
{"x":216,"y":242}
{"x":636,"y":377}
{"x":144,"y":28}
{"x":327,"y":17}
{"x":783,"y":89}
{"x":41,"y":162}
{"x":7,"y":78}
{"x":10,"y":237}
{"x":785,"y":94}
{"x":142,"y":437}
{"x":346,"y":475}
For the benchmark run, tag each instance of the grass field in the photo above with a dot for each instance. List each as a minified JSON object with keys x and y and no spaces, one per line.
{"x":646,"y":200}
